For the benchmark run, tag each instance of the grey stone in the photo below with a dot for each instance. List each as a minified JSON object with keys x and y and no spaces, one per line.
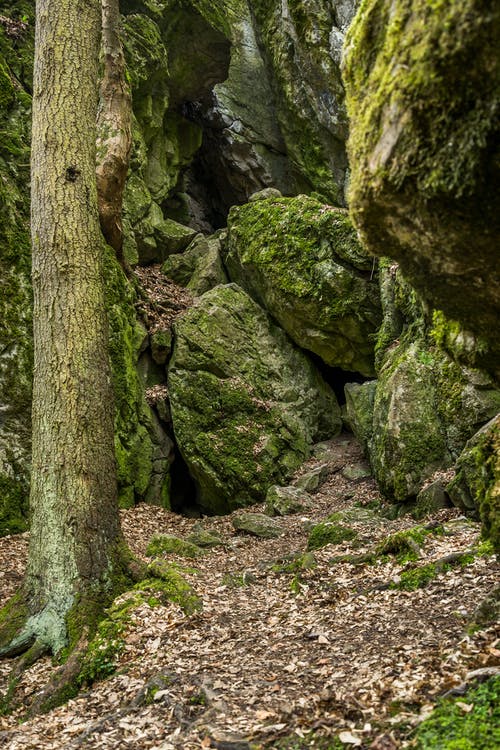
{"x":258,"y":524}
{"x":284,"y":501}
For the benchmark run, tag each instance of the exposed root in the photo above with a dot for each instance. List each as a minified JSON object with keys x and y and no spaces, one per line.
{"x":63,"y":683}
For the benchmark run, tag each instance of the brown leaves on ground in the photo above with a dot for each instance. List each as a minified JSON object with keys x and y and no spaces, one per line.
{"x":278,"y":650}
{"x":161,"y":300}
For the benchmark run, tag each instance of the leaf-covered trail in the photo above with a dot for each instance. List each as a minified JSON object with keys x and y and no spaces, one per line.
{"x":280,"y":648}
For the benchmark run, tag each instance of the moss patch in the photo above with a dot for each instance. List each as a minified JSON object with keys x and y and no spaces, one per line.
{"x":166,"y":544}
{"x":451,"y":728}
{"x":329,"y":532}
{"x":303,"y":262}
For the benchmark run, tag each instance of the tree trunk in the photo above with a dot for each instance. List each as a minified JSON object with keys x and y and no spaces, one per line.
{"x":114,"y":130}
{"x":76,"y":547}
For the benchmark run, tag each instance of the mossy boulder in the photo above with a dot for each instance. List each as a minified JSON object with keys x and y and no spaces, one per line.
{"x":168,"y":544}
{"x":246,"y":404}
{"x":302,"y":261}
{"x":426,"y":408}
{"x":423,"y":95}
{"x":477,"y":482}
{"x":329,"y":532}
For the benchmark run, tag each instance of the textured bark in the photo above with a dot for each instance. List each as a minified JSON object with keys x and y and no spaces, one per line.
{"x":114,"y":129}
{"x":75,"y":533}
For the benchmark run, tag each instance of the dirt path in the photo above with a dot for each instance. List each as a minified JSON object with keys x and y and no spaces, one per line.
{"x":279,"y":649}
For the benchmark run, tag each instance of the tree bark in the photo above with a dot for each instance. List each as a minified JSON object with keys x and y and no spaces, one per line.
{"x":114,"y":130}
{"x":76,"y":545}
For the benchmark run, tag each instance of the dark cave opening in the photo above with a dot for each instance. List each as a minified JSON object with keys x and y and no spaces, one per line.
{"x":183,"y":493}
{"x":336,"y":377}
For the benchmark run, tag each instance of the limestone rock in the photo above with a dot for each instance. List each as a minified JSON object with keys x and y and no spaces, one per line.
{"x":302,"y":261}
{"x":202,"y":537}
{"x":312,"y":480}
{"x":431,"y":498}
{"x":199,"y":268}
{"x":426,"y":408}
{"x":284,"y":501}
{"x":246,"y":404}
{"x":257,"y":524}
{"x":357,"y":471}
{"x":477,"y":482}
{"x":360,"y":400}
{"x":422,"y":86}
{"x":169,"y":544}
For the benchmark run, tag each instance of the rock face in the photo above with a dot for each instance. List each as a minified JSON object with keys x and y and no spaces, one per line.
{"x":477,"y":482}
{"x":302,"y":261}
{"x":423,"y":84}
{"x":16,"y":351}
{"x":302,"y":43}
{"x":417,"y":417}
{"x":246,"y":404}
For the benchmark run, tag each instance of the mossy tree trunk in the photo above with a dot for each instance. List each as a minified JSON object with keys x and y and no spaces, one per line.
{"x":76,"y":550}
{"x":114,"y":129}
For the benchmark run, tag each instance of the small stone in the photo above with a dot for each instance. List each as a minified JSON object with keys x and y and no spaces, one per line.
{"x":258,"y":524}
{"x":262,"y":195}
{"x":312,"y":480}
{"x":204,"y":538}
{"x":283,"y":501}
{"x":356,"y":472}
{"x":431,"y":498}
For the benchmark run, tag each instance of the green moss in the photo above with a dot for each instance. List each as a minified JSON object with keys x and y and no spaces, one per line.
{"x":302,"y":260}
{"x":162,"y":544}
{"x":403,"y":544}
{"x":451,"y":728}
{"x":419,"y":577}
{"x":329,"y":533}
{"x":13,"y":616}
{"x":16,"y":359}
{"x":297,"y":564}
{"x":169,"y":585}
{"x":433,"y":43}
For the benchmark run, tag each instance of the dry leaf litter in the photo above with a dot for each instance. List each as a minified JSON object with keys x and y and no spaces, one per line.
{"x":276,"y":654}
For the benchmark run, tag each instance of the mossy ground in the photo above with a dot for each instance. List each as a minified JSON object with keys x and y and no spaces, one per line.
{"x":451,"y":727}
{"x":166,"y":544}
{"x":329,"y":532}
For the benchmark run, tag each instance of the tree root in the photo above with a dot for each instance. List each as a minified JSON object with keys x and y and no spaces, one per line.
{"x":63,"y":685}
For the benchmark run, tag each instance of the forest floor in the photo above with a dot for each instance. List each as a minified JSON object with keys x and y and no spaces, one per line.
{"x":287,"y":652}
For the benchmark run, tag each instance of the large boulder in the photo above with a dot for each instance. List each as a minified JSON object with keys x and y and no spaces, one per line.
{"x":302,"y":261}
{"x":246,"y":404}
{"x":426,"y":407}
{"x":416,"y":418}
{"x":423,"y":85}
{"x":477,"y":481}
